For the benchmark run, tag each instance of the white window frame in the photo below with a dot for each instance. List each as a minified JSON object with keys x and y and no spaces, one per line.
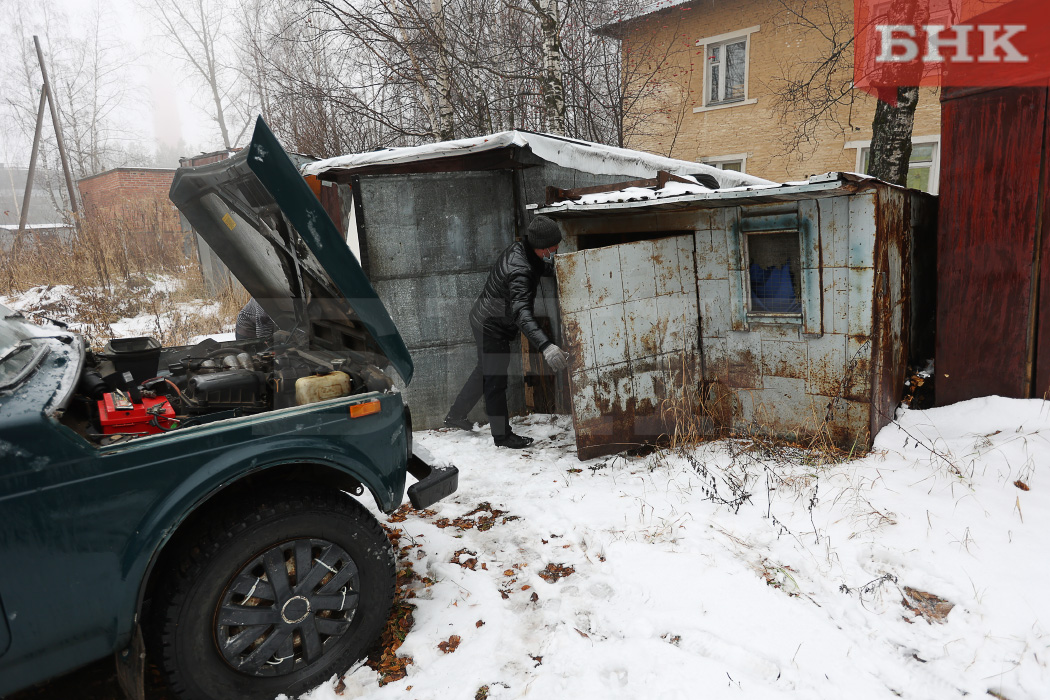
{"x":720,"y":40}
{"x":935,"y":165}
{"x":719,"y":161}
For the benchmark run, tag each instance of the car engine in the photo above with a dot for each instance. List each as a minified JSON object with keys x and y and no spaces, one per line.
{"x":135,"y":388}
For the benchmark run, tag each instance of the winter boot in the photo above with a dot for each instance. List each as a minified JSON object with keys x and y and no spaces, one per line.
{"x":512,"y":441}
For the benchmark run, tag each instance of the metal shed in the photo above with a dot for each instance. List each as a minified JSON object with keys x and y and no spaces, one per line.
{"x":427,"y":222}
{"x":671,"y":295}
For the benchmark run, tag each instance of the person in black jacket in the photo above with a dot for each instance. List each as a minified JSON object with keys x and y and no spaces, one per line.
{"x":504,"y":309}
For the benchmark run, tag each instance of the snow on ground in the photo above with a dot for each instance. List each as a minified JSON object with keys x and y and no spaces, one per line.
{"x":88,"y":310}
{"x":789,"y":584}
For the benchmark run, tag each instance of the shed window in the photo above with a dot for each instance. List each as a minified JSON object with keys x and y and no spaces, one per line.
{"x":774,"y":269}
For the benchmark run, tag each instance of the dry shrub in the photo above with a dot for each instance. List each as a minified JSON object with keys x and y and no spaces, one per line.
{"x":112,"y":263}
{"x":110,"y":246}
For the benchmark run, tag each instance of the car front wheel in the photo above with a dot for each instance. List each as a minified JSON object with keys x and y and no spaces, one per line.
{"x":290,"y":589}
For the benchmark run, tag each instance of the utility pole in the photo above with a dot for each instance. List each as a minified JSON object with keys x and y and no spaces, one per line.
{"x":32,"y":165}
{"x":58,"y":127}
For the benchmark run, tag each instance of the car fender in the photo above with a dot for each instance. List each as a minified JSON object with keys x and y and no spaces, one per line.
{"x":161,"y":523}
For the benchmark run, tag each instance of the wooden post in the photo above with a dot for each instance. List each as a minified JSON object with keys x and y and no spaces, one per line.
{"x":32,"y":165}
{"x":58,"y":127}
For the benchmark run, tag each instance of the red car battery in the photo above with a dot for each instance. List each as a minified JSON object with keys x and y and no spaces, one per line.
{"x":117,"y":414}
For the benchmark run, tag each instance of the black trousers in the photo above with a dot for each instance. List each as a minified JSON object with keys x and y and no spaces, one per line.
{"x":488,"y":380}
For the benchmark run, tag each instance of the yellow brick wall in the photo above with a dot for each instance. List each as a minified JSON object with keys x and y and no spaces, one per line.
{"x":663,"y":117}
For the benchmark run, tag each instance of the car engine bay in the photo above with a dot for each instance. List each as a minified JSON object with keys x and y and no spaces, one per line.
{"x":135,"y":388}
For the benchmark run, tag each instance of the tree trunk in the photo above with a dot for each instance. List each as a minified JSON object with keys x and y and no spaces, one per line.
{"x":553,"y":81}
{"x":446,"y":131}
{"x":891,"y":137}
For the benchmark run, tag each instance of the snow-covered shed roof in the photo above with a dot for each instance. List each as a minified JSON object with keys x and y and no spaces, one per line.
{"x":677,"y":195}
{"x":585,"y":156}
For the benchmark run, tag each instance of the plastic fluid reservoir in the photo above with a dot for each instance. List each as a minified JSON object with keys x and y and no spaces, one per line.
{"x":321,"y":387}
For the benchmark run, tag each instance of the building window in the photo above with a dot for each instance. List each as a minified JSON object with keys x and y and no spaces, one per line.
{"x":736,"y":163}
{"x":726,"y":69}
{"x":923,"y":167}
{"x":726,"y":64}
{"x":775,"y":272}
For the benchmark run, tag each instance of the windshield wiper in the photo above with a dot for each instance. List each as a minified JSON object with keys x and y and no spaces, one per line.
{"x":30,"y":367}
{"x":23,"y":345}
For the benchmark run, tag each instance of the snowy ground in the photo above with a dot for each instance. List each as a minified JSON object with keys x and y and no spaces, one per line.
{"x":91,"y":311}
{"x":790,"y":584}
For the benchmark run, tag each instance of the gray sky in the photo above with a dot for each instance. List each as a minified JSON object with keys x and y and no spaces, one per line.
{"x":159,"y":105}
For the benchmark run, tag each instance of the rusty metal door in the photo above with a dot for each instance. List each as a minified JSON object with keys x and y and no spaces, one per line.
{"x":991,"y":202}
{"x":629,"y":313}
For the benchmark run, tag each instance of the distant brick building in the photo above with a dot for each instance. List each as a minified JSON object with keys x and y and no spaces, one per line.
{"x":714,"y":65}
{"x":133,"y":199}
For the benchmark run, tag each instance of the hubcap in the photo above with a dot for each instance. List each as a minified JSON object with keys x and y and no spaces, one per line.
{"x":295,"y":610}
{"x":287,"y":607}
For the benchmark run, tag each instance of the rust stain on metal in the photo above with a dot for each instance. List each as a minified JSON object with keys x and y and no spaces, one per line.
{"x":743,"y":369}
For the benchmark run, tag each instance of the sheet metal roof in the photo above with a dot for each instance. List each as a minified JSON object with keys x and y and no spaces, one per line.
{"x":681,"y":196}
{"x":585,"y":156}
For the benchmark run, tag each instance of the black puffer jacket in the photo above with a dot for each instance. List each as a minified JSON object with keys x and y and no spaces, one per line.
{"x":505,"y":304}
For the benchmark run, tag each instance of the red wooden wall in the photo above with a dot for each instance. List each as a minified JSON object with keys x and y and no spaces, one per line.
{"x":993,"y":273}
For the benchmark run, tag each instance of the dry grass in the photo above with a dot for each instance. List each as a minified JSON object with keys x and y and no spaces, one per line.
{"x":121,"y":263}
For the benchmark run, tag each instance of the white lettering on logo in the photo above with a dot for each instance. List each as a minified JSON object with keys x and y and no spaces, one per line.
{"x":890,"y":43}
{"x":960,"y":42}
{"x":898,"y":43}
{"x":1002,"y":42}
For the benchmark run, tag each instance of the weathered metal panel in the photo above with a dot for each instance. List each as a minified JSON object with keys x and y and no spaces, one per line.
{"x":836,"y":300}
{"x":428,"y":242}
{"x":745,"y":360}
{"x":827,"y":361}
{"x":714,"y":309}
{"x":985,"y":240}
{"x":812,"y":291}
{"x":834,"y":231}
{"x":892,"y":306}
{"x":634,"y":343}
{"x":737,"y":277}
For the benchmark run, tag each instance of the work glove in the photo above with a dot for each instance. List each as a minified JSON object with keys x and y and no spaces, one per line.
{"x":557,"y":358}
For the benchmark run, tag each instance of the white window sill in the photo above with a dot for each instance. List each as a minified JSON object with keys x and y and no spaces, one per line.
{"x":794,"y":319}
{"x":727,"y":105}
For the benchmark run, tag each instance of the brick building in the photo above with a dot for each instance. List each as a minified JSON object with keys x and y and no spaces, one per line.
{"x":711,"y":100}
{"x":133,"y":199}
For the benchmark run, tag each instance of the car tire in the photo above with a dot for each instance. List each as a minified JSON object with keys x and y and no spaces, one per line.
{"x":237,"y":618}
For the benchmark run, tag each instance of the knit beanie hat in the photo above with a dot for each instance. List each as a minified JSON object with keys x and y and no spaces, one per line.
{"x":543,"y":233}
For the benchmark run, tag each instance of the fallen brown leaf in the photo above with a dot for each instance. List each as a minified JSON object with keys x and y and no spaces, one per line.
{"x":930,"y":607}
{"x":553,"y":572}
{"x":451,"y":645}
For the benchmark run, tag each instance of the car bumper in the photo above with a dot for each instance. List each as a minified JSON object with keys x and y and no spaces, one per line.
{"x":433,"y":482}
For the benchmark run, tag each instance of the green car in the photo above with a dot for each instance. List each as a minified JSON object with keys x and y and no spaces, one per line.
{"x":191,"y":507}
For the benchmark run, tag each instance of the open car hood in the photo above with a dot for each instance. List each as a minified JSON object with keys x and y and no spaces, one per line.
{"x":264,"y":222}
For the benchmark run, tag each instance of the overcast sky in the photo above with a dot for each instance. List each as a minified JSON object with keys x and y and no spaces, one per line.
{"x":159,"y":105}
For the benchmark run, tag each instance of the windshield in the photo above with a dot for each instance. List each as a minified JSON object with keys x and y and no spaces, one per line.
{"x":17,"y":348}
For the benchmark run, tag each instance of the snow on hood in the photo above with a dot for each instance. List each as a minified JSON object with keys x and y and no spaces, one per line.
{"x":585,"y":156}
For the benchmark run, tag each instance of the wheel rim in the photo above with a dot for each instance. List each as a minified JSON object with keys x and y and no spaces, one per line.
{"x":286,"y":608}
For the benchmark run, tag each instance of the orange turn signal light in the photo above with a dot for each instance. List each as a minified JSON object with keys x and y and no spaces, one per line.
{"x":359,"y":410}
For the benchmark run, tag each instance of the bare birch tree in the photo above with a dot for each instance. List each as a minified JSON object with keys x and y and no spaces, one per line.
{"x":195,"y":30}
